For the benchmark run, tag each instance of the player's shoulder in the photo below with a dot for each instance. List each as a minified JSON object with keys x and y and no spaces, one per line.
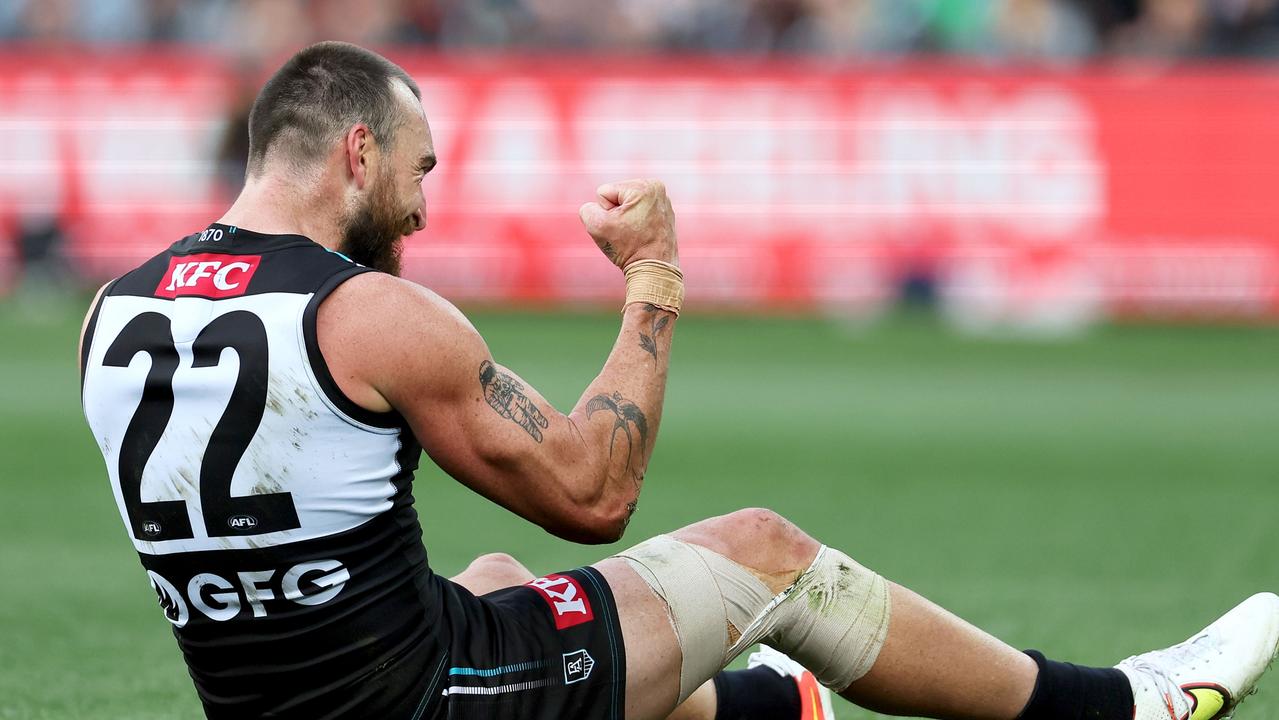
{"x":390,"y":309}
{"x":375,"y":286}
{"x":395,"y":337}
{"x":373,"y":291}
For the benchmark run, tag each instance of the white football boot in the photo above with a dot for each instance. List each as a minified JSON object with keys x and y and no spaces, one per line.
{"x":813,"y":698}
{"x":1207,"y":676}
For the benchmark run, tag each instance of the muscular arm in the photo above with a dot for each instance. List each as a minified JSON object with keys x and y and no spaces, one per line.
{"x":390,"y":343}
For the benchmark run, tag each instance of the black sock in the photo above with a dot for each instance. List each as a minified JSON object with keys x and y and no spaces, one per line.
{"x":756,"y":694}
{"x":1070,"y":692}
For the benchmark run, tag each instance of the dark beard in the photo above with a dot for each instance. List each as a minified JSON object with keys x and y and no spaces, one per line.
{"x":373,"y":237}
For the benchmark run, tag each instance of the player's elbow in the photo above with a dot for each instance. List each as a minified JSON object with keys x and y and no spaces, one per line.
{"x":584,"y":535}
{"x":610,"y":522}
{"x":593,"y":528}
{"x":595,"y":520}
{"x":594,"y":506}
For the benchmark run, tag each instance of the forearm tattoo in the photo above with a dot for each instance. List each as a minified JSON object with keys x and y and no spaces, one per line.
{"x":626,"y":415}
{"x":649,"y":342}
{"x":505,"y":395}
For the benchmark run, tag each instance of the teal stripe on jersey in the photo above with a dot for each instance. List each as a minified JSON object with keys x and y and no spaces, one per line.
{"x":490,"y":672}
{"x":335,"y":252}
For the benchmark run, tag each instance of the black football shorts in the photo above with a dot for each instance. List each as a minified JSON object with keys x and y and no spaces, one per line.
{"x":549,"y":650}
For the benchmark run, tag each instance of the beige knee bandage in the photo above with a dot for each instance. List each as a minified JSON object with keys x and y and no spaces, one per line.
{"x":833,"y":620}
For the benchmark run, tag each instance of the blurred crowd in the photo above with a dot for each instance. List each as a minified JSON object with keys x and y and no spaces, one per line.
{"x":1052,"y":30}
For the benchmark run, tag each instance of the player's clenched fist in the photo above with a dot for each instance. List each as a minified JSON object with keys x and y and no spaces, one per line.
{"x":632,"y":220}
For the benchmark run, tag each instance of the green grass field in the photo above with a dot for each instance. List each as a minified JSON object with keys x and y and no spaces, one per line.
{"x":1089,"y":498}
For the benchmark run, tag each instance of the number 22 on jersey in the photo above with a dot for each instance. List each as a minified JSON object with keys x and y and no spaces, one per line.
{"x":223,"y":514}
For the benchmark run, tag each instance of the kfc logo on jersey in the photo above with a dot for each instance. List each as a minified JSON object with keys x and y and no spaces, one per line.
{"x":568,"y":602}
{"x":208,"y":275}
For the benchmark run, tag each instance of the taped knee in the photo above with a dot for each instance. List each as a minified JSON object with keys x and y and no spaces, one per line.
{"x":833,"y":619}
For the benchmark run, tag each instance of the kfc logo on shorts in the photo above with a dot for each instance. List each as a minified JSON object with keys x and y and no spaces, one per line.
{"x":577,"y":666}
{"x":208,"y":275}
{"x":568,"y":602}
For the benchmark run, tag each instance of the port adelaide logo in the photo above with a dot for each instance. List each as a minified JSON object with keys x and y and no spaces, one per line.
{"x":577,"y":666}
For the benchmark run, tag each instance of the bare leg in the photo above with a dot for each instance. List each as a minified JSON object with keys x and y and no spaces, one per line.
{"x":936,"y":665}
{"x":652,"y":650}
{"x":933,"y":664}
{"x":494,"y":571}
{"x":701,"y":705}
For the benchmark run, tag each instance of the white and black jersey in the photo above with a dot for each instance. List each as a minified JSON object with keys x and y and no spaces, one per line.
{"x":274,"y":516}
{"x":263,"y":503}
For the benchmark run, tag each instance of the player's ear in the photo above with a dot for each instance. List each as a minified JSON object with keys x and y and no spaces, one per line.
{"x":358,"y":144}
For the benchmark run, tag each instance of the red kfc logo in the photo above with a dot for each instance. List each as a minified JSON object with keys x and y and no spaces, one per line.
{"x":568,"y":602}
{"x":208,"y":275}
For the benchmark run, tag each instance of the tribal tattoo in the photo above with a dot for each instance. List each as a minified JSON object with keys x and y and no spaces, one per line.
{"x":625,"y":414}
{"x":505,"y":395}
{"x":649,"y":342}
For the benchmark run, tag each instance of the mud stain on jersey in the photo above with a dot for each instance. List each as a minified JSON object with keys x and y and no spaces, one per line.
{"x":189,"y":481}
{"x":285,"y":392}
{"x":268,"y":473}
{"x":226,"y":543}
{"x":304,"y":404}
{"x":255,"y":542}
{"x":296,"y":436}
{"x":274,"y":402}
{"x":266,"y":485}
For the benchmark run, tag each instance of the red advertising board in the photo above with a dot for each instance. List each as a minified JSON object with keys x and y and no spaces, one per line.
{"x":1029,"y":196}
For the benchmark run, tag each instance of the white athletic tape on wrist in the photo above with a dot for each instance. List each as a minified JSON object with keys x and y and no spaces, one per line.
{"x":833,"y":620}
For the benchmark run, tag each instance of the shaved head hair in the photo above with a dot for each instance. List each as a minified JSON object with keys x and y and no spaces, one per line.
{"x":310,"y":102}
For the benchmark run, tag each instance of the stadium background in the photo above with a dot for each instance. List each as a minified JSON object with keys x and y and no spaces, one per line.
{"x":982,"y":292}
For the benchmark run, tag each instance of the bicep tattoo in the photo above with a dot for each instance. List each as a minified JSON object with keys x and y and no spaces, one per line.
{"x":506,"y":395}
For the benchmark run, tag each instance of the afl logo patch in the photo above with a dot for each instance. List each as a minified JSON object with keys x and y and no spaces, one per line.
{"x":151,"y":527}
{"x":242,"y":522}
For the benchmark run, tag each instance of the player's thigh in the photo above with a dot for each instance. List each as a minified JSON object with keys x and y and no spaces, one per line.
{"x":652,"y":651}
{"x":491,"y":572}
